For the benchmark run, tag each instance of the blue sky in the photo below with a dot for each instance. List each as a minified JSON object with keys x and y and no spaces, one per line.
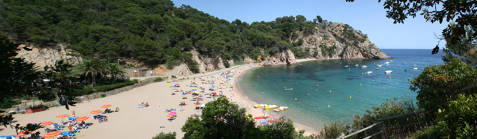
{"x":368,"y":16}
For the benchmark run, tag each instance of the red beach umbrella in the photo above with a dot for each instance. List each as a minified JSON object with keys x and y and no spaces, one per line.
{"x":21,"y":134}
{"x":52,"y":134}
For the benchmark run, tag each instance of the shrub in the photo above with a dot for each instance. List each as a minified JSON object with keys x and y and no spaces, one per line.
{"x":334,"y":130}
{"x":8,"y":102}
{"x":102,"y":88}
{"x":165,"y":136}
{"x":46,"y":96}
{"x":158,"y":79}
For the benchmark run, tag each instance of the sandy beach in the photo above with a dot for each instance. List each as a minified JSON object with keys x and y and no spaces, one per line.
{"x":134,"y":122}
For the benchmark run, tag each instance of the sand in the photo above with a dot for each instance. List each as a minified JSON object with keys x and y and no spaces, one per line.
{"x":133,"y":122}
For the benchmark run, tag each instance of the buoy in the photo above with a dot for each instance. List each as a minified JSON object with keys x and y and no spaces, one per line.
{"x":350,"y":97}
{"x":296,"y":99}
{"x":329,"y":106}
{"x":360,"y":84}
{"x":329,"y":91}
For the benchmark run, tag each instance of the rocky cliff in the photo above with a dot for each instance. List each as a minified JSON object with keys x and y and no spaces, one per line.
{"x":336,"y":41}
{"x":329,"y":41}
{"x":47,"y":56}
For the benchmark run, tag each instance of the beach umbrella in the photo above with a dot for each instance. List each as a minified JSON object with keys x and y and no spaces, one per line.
{"x":46,"y":123}
{"x":106,"y":106}
{"x":52,"y":134}
{"x":73,"y":113}
{"x":260,"y":117}
{"x":82,"y":118}
{"x":172,"y":113}
{"x":21,"y":134}
{"x":95,"y":112}
{"x":62,"y":116}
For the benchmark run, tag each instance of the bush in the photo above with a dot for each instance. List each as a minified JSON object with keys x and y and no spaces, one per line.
{"x":158,"y":79}
{"x":46,"y":96}
{"x":165,"y":136}
{"x":335,"y":130}
{"x":8,"y":103}
{"x":102,"y":88}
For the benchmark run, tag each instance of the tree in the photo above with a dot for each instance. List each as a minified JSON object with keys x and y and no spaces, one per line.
{"x":220,"y":119}
{"x":92,"y":68}
{"x":61,"y":77}
{"x":165,"y":136}
{"x":437,"y":85}
{"x":461,"y":14}
{"x":5,"y":119}
{"x":282,"y":129}
{"x":17,"y":77}
{"x":458,"y":121}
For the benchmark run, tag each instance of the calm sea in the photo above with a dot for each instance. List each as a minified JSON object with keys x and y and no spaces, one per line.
{"x":318,"y":92}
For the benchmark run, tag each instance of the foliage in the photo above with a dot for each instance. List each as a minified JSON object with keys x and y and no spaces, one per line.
{"x":103,"y":88}
{"x":5,"y":120}
{"x":457,"y":121}
{"x":8,"y":102}
{"x":165,"y":136}
{"x":61,"y":79}
{"x":151,"y":31}
{"x":461,"y":14}
{"x":220,"y":119}
{"x":438,"y":84}
{"x":283,"y":129}
{"x":334,"y":130}
{"x":158,"y":79}
{"x":17,"y":77}
{"x":327,"y":51}
{"x":46,"y":95}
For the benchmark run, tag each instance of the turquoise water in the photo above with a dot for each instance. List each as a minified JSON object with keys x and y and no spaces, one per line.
{"x":347,"y":91}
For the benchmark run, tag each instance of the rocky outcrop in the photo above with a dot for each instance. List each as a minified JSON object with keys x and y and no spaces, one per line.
{"x":337,"y":41}
{"x":284,"y":57}
{"x":47,"y":56}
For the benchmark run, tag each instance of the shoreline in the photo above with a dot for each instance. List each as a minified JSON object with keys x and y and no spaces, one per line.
{"x":248,"y":104}
{"x":150,"y":121}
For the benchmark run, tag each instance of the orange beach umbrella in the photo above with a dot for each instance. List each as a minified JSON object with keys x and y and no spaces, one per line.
{"x":106,"y":106}
{"x":82,"y":118}
{"x":52,"y":134}
{"x":46,"y":123}
{"x":95,"y":112}
{"x":62,"y":116}
{"x":21,"y":134}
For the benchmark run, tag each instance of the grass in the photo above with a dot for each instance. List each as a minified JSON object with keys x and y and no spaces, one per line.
{"x":158,"y":79}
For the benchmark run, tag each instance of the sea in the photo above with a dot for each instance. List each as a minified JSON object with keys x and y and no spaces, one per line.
{"x":326,"y":91}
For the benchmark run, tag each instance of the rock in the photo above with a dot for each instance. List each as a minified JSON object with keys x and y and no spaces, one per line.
{"x":284,"y":57}
{"x":47,"y":56}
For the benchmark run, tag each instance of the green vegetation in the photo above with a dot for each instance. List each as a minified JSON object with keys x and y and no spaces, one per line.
{"x":158,"y":79}
{"x":327,"y":51}
{"x":150,"y":31}
{"x":103,"y":88}
{"x":222,"y":119}
{"x":165,"y":136}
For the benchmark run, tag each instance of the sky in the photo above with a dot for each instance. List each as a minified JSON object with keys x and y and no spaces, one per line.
{"x":369,"y":16}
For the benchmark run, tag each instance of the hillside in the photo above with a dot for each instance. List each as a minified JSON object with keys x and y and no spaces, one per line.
{"x":155,"y":32}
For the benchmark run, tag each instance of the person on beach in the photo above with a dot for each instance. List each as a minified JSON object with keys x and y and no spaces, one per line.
{"x":117,"y":109}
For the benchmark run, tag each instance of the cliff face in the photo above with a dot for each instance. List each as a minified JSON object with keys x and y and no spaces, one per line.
{"x":47,"y":56}
{"x":329,"y":41}
{"x":337,"y":41}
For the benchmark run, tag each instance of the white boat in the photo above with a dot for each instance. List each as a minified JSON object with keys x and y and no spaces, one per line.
{"x":415,"y":68}
{"x":379,"y":65}
{"x":369,"y":72}
{"x":346,"y":66}
{"x":287,"y":89}
{"x":387,"y":62}
{"x":364,"y":66}
{"x":356,"y":65}
{"x":388,"y":71}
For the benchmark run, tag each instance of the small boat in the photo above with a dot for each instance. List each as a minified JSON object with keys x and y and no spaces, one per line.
{"x":379,"y":65}
{"x":388,"y":71}
{"x":364,"y":66}
{"x":356,"y":65}
{"x":346,"y":66}
{"x":287,"y":89}
{"x":369,"y":72}
{"x":415,"y":68}
{"x":387,"y":62}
